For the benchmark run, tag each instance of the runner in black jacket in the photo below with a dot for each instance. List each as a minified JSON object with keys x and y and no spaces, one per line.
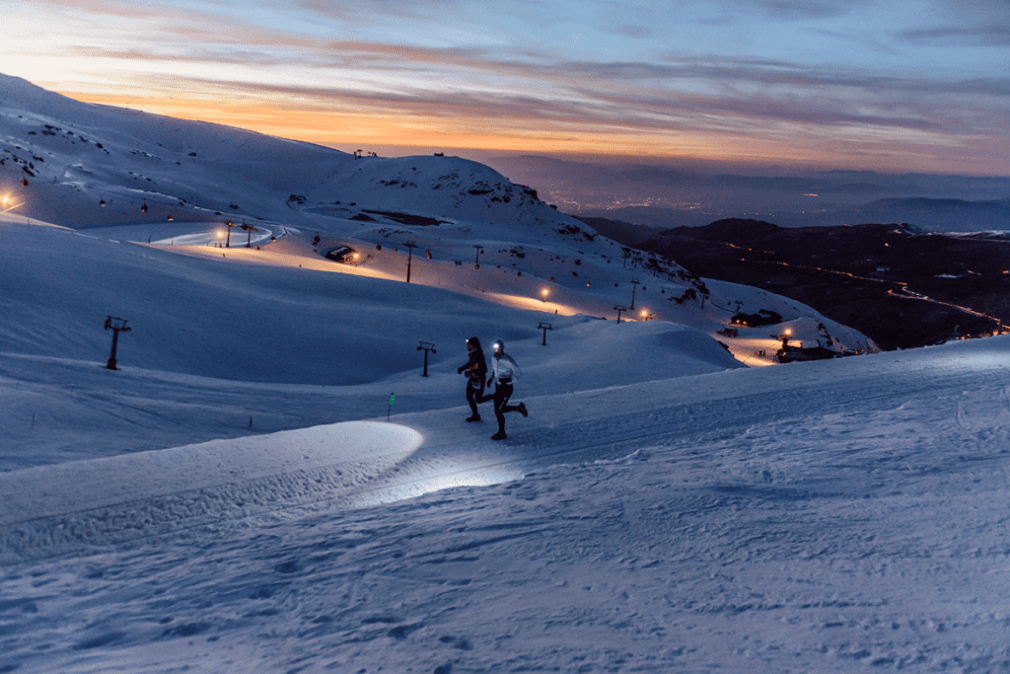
{"x":475,"y":370}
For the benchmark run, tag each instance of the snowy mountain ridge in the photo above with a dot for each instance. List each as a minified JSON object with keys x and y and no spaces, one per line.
{"x":151,"y":179}
{"x":199,"y":170}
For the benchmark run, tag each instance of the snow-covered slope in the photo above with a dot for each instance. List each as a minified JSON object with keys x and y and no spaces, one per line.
{"x":75,"y":156}
{"x":89,"y":165}
{"x":126,"y":176}
{"x":838,"y":516}
{"x":269,"y":484}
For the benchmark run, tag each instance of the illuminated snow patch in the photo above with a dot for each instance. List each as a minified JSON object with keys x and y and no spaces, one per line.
{"x":435,"y":472}
{"x":50,"y":509}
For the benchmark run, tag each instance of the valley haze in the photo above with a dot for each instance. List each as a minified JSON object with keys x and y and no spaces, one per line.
{"x":670,"y":194}
{"x":268,"y":483}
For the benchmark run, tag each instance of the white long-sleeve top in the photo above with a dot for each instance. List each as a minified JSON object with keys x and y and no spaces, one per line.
{"x":505,"y":368}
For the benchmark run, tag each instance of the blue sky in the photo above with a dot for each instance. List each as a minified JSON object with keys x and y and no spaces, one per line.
{"x":899,"y":86}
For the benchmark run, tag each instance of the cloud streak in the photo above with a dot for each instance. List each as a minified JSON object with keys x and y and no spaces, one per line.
{"x":979,"y":35}
{"x":429,"y":71}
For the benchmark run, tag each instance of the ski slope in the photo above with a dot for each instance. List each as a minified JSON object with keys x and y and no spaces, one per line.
{"x":834,"y":516}
{"x":230,"y":501}
{"x":268,"y":483}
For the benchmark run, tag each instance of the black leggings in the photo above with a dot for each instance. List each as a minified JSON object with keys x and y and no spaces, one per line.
{"x":502,"y":393}
{"x":473,"y":396}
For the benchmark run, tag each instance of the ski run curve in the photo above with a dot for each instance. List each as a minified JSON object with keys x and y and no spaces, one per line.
{"x":836,"y":516}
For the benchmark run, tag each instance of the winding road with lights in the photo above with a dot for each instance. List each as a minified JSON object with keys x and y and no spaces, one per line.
{"x":902,"y":290}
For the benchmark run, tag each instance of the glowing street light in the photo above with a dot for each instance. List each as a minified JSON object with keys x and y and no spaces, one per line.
{"x":227,"y":243}
{"x":544,"y":293}
{"x":646,"y":316}
{"x":6,"y":205}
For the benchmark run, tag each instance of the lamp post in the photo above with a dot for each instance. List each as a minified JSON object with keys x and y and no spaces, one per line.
{"x":619,"y":308}
{"x":410,"y":254}
{"x":227,"y":243}
{"x":544,"y":294}
{"x":646,"y":316}
{"x":426,"y":346}
{"x":251,"y":229}
{"x":545,"y":327}
{"x":117,"y":325}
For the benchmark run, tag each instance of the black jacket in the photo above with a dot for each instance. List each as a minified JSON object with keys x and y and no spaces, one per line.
{"x":476,"y":365}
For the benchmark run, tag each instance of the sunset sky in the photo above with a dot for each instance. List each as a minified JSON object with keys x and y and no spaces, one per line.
{"x":906,"y":85}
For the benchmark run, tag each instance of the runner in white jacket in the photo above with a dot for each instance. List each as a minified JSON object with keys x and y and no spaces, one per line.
{"x":504,"y":372}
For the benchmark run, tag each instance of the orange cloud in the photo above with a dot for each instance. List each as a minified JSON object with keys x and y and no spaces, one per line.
{"x":343,"y":86}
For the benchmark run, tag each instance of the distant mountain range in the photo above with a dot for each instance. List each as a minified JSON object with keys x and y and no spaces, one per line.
{"x":935,"y":215}
{"x":662,"y":197}
{"x":938,"y":215}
